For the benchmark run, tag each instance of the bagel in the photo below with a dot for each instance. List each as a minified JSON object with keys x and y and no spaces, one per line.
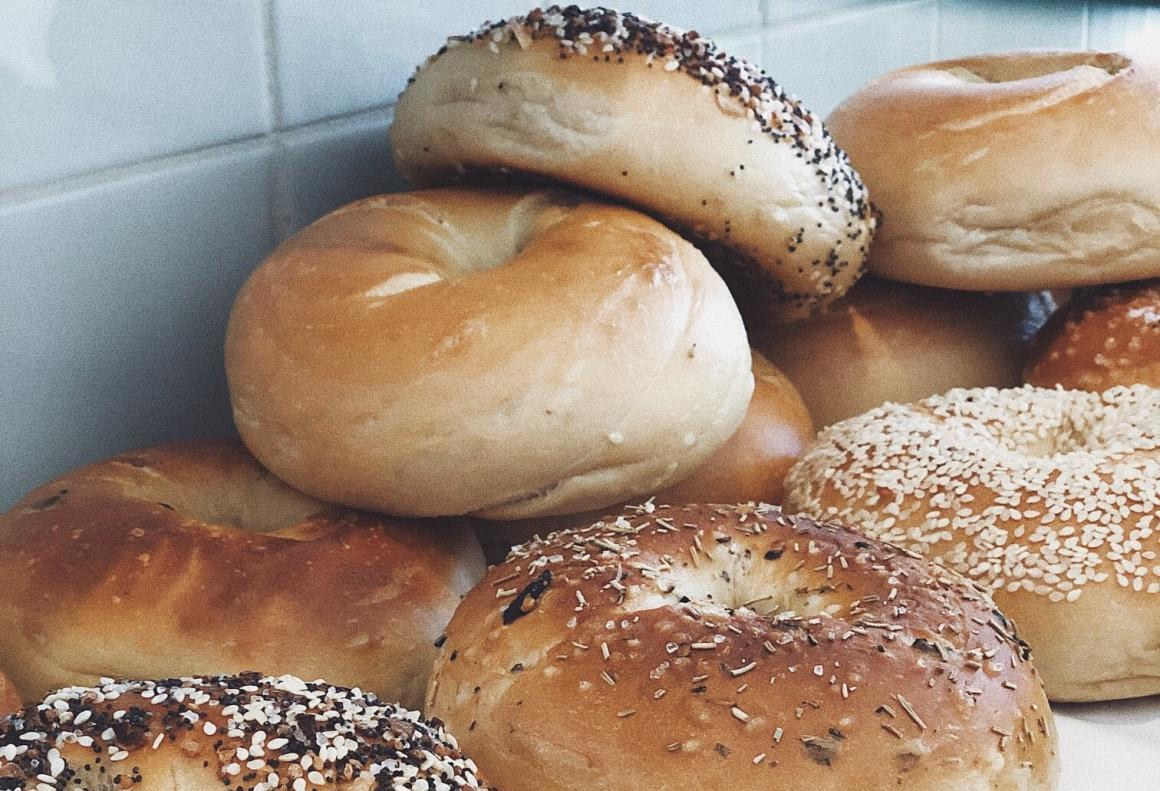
{"x":568,"y":94}
{"x":1011,"y":172}
{"x":190,"y":558}
{"x":1104,"y":337}
{"x":749,"y":467}
{"x":9,"y":697}
{"x":493,"y":353}
{"x":1047,"y":497}
{"x":240,"y":732}
{"x":736,"y":647}
{"x":888,"y":341}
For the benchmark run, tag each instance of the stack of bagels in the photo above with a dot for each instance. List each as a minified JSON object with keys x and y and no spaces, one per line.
{"x":595,"y":342}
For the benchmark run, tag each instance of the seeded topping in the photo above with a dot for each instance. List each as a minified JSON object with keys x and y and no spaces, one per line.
{"x":1027,"y":489}
{"x":261,"y":734}
{"x":751,"y":626}
{"x":605,"y":36}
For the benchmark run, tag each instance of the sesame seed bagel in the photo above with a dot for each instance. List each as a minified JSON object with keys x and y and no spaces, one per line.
{"x":570,"y":94}
{"x":733,"y":646}
{"x":244,"y":733}
{"x":1047,"y":497}
{"x":190,"y":558}
{"x":1011,"y":172}
{"x":1104,"y":337}
{"x":497,"y":353}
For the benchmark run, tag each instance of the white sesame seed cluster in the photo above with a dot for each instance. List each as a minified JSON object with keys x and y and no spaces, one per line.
{"x":263,"y":733}
{"x":1024,"y":489}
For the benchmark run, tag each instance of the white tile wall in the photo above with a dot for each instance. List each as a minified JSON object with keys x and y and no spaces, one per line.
{"x":974,"y":26}
{"x":151,"y":154}
{"x":86,"y":84}
{"x":113,"y":309}
{"x":821,"y":61}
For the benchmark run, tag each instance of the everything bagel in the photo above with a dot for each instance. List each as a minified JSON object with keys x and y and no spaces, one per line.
{"x":569,"y":94}
{"x":737,"y":647}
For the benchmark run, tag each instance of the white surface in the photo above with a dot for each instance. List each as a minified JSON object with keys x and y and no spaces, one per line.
{"x":1110,"y":746}
{"x":85,"y":85}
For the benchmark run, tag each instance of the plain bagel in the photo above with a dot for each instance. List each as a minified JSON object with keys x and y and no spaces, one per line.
{"x":568,"y":94}
{"x":750,"y":467}
{"x":1011,"y":172}
{"x":1046,"y":496}
{"x":503,"y":354}
{"x":190,"y":557}
{"x":736,"y":647}
{"x":888,"y":341}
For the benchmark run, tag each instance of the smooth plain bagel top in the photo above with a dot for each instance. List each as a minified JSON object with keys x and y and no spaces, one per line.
{"x":1011,"y":172}
{"x":496,"y":353}
{"x":659,"y":118}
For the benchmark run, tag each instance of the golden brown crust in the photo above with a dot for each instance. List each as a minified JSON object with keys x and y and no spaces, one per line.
{"x":711,"y":645}
{"x":568,"y":94}
{"x":1048,"y":497}
{"x":499,"y":353}
{"x":749,"y":467}
{"x":1104,"y":337}
{"x":1011,"y":172}
{"x":191,"y":558}
{"x":243,"y":732}
{"x":9,"y":697}
{"x":887,"y":341}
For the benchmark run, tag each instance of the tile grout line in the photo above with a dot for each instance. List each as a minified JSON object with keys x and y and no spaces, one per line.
{"x":279,"y":199}
{"x":36,"y":191}
{"x":936,"y":28}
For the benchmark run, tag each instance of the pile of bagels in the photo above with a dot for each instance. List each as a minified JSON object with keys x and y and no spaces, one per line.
{"x":756,"y":518}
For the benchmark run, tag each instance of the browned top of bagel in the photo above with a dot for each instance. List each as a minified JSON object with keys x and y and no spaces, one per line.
{"x":735,"y":644}
{"x":1104,"y":337}
{"x":190,"y":557}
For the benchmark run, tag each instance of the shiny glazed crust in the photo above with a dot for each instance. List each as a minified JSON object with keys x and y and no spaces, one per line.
{"x":714,"y":646}
{"x":9,"y":697}
{"x":1104,"y":337}
{"x":497,"y":353}
{"x":191,"y":558}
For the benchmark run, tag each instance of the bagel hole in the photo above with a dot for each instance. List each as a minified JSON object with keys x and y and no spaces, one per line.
{"x":260,"y":504}
{"x":1096,"y":67}
{"x":734,"y":580}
